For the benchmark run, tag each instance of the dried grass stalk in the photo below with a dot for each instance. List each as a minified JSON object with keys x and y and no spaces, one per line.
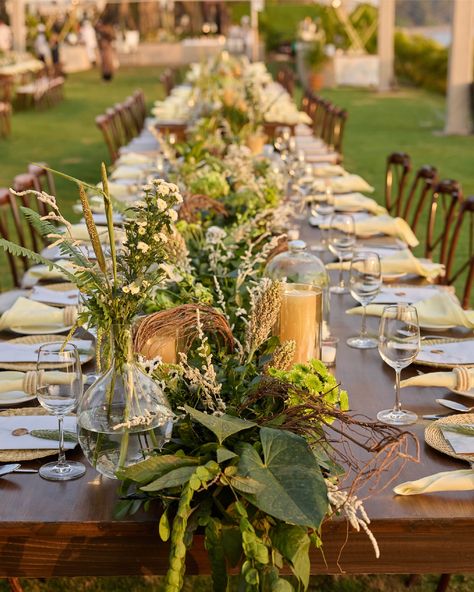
{"x":92,"y":229}
{"x":193,"y":204}
{"x":181,"y":322}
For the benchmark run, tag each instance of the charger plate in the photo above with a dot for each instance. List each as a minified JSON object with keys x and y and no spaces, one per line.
{"x":440,"y":364}
{"x":434,"y":435}
{"x":24,"y":455}
{"x":38,"y":339}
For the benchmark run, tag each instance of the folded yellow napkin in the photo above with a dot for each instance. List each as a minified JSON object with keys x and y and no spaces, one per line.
{"x":79,"y":232}
{"x":448,"y":481}
{"x":28,"y":382}
{"x":389,"y":226}
{"x":450,"y":380}
{"x":355,"y":202}
{"x":329,"y":170}
{"x":402,"y":262}
{"x":345,"y":184}
{"x":119,"y":190}
{"x":131,"y":158}
{"x":43,"y":272}
{"x":30,"y":314}
{"x":127,"y":172}
{"x":440,"y":310}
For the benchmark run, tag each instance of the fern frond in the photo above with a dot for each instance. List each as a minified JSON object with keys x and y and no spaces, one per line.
{"x":44,"y":227}
{"x":18,"y":251}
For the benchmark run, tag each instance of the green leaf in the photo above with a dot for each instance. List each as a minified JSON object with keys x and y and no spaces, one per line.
{"x":164,"y":527}
{"x":232,"y":544}
{"x":224,"y":454}
{"x":293,"y":543}
{"x":215,"y":548}
{"x":173,"y":478}
{"x":155,"y":467}
{"x":292,"y":487}
{"x":222,"y":426}
{"x":245,"y":484}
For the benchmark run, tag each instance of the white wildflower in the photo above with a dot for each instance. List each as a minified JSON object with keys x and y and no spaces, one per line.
{"x":161,"y":204}
{"x":215,"y":235}
{"x":173,"y":215}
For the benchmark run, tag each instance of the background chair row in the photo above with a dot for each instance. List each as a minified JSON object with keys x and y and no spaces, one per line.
{"x":448,"y":232}
{"x":286,"y":77}
{"x":14,"y":226}
{"x":122,"y":122}
{"x":42,"y":92}
{"x":329,"y":121}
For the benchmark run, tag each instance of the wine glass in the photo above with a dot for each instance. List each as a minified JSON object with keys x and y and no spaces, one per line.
{"x":58,"y":391}
{"x":341,"y":244}
{"x":399,"y":344}
{"x":365,"y":279}
{"x":323,"y":208}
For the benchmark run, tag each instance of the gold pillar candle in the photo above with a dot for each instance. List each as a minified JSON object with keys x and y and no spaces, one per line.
{"x":164,"y":347}
{"x":300,"y":320}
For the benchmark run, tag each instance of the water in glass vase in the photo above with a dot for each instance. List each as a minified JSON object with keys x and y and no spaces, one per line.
{"x":110,"y":445}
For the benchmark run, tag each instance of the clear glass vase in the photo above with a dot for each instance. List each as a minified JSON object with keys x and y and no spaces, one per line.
{"x":124,"y":415}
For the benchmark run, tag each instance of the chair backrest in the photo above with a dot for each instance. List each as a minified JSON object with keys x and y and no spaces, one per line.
{"x":336,"y":132}
{"x":445,"y":199}
{"x":140,"y":105}
{"x":28,"y":182}
{"x":44,"y":176}
{"x":168,"y":80}
{"x":425,"y":179}
{"x":116,"y":126}
{"x":286,"y":78}
{"x":396,"y":175}
{"x":321,"y":115}
{"x":127,"y":123}
{"x":11,"y":228}
{"x":460,"y":254}
{"x":104,"y":123}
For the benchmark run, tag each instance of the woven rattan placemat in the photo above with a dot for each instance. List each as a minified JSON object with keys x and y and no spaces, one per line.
{"x":434,"y":435}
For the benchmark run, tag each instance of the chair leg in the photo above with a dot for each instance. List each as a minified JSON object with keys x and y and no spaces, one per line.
{"x":443,"y":583}
{"x":412,"y":580}
{"x":15,"y":585}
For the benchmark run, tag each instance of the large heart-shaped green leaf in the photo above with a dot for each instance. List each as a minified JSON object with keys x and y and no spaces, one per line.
{"x":174,"y":478}
{"x":292,"y":487}
{"x":222,"y":426}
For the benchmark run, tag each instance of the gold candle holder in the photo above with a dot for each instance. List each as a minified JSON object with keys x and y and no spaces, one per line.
{"x":300,"y":320}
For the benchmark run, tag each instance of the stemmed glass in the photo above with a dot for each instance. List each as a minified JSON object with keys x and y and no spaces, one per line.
{"x":399,"y":344}
{"x":341,"y":244}
{"x":365,"y":279}
{"x":58,"y":391}
{"x":323,"y":208}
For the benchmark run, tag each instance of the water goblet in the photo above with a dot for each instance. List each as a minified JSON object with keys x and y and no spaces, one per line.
{"x":399,"y":344}
{"x":341,"y":243}
{"x":323,"y":208}
{"x":365,"y":280}
{"x":58,"y":391}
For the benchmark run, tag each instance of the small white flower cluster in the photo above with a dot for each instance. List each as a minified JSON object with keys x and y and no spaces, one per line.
{"x":149,"y":366}
{"x":215,"y":235}
{"x":134,"y":288}
{"x":354,"y":511}
{"x":138,"y":420}
{"x":218,"y":253}
{"x":167,"y":195}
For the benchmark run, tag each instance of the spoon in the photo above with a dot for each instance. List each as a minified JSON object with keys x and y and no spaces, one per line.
{"x":14,"y":468}
{"x":454,"y":405}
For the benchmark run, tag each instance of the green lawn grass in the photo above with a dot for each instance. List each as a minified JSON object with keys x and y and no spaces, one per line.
{"x":67,"y":139}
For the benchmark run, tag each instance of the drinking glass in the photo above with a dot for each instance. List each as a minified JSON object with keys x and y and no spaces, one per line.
{"x":58,"y":391}
{"x":399,"y":344}
{"x":365,"y":279}
{"x":341,"y":244}
{"x":323,"y":208}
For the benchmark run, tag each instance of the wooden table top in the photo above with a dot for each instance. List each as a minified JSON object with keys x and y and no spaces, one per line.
{"x":53,"y":529}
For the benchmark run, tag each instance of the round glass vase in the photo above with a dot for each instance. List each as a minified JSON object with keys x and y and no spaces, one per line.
{"x":298,"y":266}
{"x":124,"y":415}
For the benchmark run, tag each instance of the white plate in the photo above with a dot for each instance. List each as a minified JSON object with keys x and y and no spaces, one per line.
{"x":40,"y":330}
{"x":437,"y":327}
{"x":391,"y":277}
{"x":469,"y":394}
{"x":14,"y":397}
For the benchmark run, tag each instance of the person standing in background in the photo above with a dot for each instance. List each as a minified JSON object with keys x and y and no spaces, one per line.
{"x":106,"y":37}
{"x":42,"y":49}
{"x":89,"y":38}
{"x":55,"y":56}
{"x":5,"y":37}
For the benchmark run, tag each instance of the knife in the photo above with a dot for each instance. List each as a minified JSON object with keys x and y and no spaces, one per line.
{"x":453,"y":405}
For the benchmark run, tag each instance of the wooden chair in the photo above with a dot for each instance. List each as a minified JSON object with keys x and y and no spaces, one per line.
{"x":44,"y":176}
{"x":321,"y":116}
{"x":140,"y":106}
{"x":27,"y":182}
{"x":11,"y":228}
{"x":168,"y":79}
{"x":396,"y":175}
{"x":336,"y":132}
{"x":5,"y":119}
{"x":103,"y":122}
{"x":445,"y":199}
{"x":460,"y":263}
{"x":286,"y":78}
{"x":128,"y":119}
{"x":425,"y":179}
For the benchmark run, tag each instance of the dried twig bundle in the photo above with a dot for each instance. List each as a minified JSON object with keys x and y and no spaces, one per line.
{"x":193,"y":204}
{"x":181,"y":323}
{"x":281,"y":247}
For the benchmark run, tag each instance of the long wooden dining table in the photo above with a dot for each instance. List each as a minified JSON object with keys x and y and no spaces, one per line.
{"x":68,"y":529}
